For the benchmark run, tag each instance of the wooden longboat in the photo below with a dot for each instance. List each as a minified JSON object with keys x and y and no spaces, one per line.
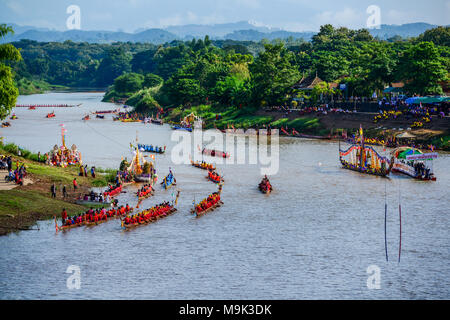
{"x":151,"y":220}
{"x":198,"y":165}
{"x":212,"y":208}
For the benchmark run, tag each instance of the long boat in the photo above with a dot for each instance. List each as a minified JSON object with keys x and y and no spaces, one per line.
{"x":364,"y":159}
{"x":212,"y":208}
{"x":214,"y":178}
{"x":46,"y":105}
{"x":147,"y":193}
{"x":179,"y":127}
{"x":150,"y":148}
{"x":157,"y":121}
{"x":172,"y":209}
{"x":128,"y":226}
{"x":113,"y":217}
{"x":214,"y":153}
{"x":106,"y":111}
{"x":204,"y":165}
{"x":50,"y":115}
{"x":114,"y":192}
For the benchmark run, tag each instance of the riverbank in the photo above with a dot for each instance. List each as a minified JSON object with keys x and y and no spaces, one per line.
{"x":22,"y":206}
{"x":436,"y":132}
{"x":28,"y":87}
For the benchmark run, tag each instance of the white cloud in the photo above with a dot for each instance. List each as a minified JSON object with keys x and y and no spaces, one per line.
{"x":15,"y":6}
{"x":347,"y":17}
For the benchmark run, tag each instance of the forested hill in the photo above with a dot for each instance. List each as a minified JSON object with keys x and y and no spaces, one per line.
{"x":230,"y":31}
{"x":199,"y":70}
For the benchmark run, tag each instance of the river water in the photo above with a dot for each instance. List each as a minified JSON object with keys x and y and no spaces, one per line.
{"x":313,"y":238}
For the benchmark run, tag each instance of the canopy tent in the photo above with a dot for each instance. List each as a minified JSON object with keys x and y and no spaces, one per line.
{"x":403,"y":152}
{"x":408,"y":152}
{"x":427,"y":100}
{"x":393,"y":90}
{"x":405,"y":135}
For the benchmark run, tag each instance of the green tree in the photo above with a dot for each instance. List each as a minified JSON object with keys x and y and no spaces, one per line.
{"x":422,"y":68}
{"x":116,"y":62}
{"x":128,"y":83}
{"x":8,"y":91}
{"x":272,"y":75}
{"x":152,"y":80}
{"x":440,"y":36}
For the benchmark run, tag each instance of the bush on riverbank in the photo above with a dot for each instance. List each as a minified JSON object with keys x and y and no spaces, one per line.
{"x":14,"y":150}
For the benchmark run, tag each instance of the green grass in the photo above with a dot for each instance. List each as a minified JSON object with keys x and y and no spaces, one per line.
{"x":245,"y":118}
{"x":15,"y":202}
{"x":57,"y":174}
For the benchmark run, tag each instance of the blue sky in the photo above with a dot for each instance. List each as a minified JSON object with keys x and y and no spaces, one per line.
{"x":295,"y":15}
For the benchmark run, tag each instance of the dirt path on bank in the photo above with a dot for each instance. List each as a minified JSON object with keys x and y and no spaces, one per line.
{"x":4,"y":185}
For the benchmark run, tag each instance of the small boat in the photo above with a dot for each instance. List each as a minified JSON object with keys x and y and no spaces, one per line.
{"x":100,"y":117}
{"x":6,"y":124}
{"x":265,"y":186}
{"x":150,"y":148}
{"x":203,"y":165}
{"x":86,"y":118}
{"x":113,"y":191}
{"x":414,"y":163}
{"x":50,"y":115}
{"x":169,"y":181}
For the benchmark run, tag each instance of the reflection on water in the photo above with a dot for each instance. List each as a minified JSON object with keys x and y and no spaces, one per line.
{"x":313,"y":237}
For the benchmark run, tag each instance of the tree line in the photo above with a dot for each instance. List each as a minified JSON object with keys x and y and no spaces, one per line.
{"x":237,"y":73}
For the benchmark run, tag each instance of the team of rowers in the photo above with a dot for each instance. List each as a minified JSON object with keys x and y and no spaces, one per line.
{"x":148,"y":215}
{"x":94,"y":215}
{"x":208,"y":202}
{"x":214,"y":176}
{"x":203,"y":165}
{"x":265,"y":185}
{"x":145,"y":191}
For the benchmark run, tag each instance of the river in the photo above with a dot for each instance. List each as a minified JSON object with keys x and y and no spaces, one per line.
{"x":313,"y":238}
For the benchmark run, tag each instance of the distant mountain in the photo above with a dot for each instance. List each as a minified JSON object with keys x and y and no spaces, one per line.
{"x":156,"y":36}
{"x":253,"y":35}
{"x":215,"y":31}
{"x":241,"y":31}
{"x":405,"y":30}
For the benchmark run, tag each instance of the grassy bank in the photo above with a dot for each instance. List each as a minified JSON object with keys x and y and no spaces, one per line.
{"x":27,"y":87}
{"x":247,"y":118}
{"x":22,"y":206}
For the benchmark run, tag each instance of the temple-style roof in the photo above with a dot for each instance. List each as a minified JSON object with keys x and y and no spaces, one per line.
{"x":307,"y":83}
